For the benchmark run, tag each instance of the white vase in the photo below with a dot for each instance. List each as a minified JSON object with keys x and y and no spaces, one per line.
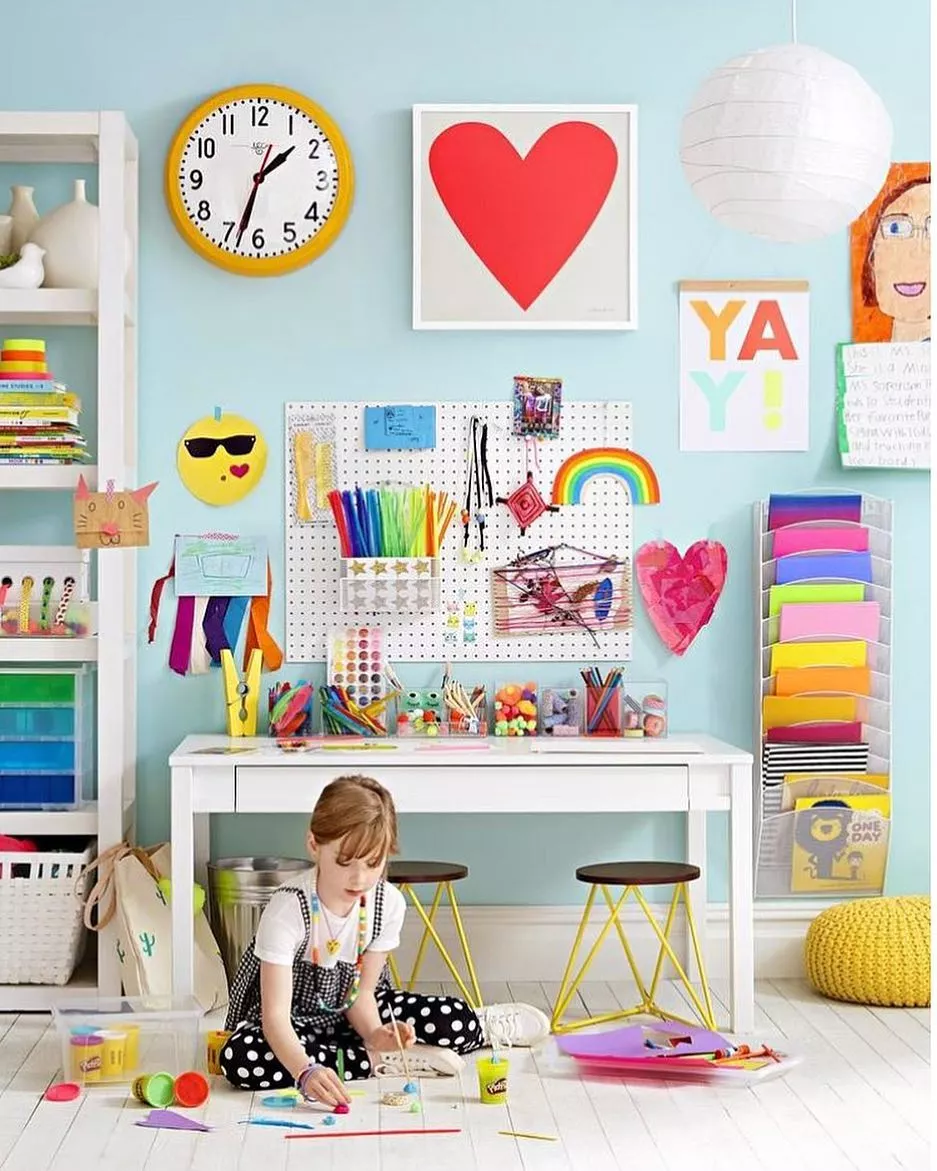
{"x":24,"y":214}
{"x":69,"y":235}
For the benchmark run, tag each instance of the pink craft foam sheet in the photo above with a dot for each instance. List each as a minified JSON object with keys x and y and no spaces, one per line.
{"x":825,"y":733}
{"x":820,"y":539}
{"x":824,"y":620}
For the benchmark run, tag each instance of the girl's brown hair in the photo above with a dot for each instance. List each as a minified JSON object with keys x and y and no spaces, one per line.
{"x":359,"y":812}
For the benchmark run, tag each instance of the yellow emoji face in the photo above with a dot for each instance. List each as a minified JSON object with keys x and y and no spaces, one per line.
{"x":221,"y":458}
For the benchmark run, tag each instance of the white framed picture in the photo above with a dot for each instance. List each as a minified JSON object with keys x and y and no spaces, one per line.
{"x":525,"y":217}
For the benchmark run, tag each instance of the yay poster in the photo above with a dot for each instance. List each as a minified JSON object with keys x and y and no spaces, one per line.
{"x":744,"y":365}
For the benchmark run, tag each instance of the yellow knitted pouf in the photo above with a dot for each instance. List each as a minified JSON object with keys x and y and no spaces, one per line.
{"x":872,"y":951}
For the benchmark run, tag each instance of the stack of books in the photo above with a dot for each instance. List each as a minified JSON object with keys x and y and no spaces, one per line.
{"x":38,"y":416}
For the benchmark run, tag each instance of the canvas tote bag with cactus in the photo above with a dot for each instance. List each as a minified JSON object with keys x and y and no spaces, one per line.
{"x":128,"y":892}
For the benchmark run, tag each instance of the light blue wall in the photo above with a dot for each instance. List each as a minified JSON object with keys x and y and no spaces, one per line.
{"x":340,"y":328}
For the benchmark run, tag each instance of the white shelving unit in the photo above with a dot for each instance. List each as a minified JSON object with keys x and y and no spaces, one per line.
{"x":105,"y":140}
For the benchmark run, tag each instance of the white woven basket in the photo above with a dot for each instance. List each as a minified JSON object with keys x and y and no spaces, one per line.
{"x":42,"y":937}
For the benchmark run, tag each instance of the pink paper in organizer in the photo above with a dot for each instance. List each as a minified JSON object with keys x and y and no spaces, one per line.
{"x":681,"y":591}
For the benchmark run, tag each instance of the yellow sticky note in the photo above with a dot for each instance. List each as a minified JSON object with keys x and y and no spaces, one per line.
{"x":849,"y":653}
{"x":780,"y":711}
{"x":847,"y":591}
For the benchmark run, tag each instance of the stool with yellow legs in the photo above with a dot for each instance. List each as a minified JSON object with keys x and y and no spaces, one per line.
{"x":442,"y":875}
{"x":632,"y":876}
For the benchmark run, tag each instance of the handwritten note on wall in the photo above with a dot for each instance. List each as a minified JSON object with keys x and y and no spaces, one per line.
{"x":744,"y":365}
{"x":883,"y":404}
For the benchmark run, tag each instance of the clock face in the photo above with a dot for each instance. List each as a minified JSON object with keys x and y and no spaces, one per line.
{"x":259,"y":180}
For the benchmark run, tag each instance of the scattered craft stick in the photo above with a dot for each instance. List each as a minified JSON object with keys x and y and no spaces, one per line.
{"x":403,"y":1052}
{"x":547,"y":1138}
{"x":378,"y":1133}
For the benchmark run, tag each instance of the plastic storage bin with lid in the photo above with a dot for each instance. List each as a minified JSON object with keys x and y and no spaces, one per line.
{"x":45,"y":737}
{"x":114,"y":1040}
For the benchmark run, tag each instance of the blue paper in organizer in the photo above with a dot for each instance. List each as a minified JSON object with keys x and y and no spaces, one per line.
{"x":399,"y":428}
{"x":813,"y":566}
{"x":221,"y":566}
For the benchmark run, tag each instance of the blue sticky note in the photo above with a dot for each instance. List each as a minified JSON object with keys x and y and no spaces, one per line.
{"x":809,"y":566}
{"x":221,"y":566}
{"x":399,"y":428}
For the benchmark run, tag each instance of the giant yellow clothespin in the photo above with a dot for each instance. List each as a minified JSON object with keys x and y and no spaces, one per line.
{"x":241,"y":695}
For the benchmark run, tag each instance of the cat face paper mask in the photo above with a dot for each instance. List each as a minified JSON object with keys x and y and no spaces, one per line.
{"x":111,"y":519}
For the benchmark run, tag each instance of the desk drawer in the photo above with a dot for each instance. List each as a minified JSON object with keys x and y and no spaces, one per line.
{"x":472,"y":789}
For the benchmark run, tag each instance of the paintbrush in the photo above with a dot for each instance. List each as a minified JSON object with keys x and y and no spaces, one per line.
{"x":403,"y":1052}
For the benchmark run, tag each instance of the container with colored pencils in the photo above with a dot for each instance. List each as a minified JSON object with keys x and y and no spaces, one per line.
{"x":603,"y":703}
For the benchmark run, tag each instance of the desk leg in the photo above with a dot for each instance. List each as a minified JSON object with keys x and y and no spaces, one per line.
{"x":183,"y":862}
{"x":202,"y":852}
{"x":741,"y":902}
{"x":696,"y":856}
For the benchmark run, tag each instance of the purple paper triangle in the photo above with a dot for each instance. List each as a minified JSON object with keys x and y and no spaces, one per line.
{"x":170,"y":1120}
{"x":629,"y":1041}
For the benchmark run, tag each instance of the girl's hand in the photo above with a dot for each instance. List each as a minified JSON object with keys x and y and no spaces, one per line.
{"x":323,"y":1085}
{"x":384,"y":1040}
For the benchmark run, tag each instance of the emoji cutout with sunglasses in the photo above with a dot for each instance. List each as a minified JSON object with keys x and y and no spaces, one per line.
{"x":221,"y":458}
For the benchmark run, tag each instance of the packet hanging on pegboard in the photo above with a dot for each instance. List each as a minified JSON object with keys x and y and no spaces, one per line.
{"x":314,"y":474}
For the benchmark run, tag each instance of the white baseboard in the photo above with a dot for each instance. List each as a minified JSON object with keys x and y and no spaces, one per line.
{"x":532,"y":943}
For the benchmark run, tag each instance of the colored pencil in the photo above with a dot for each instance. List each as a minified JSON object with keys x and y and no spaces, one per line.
{"x":547,"y":1138}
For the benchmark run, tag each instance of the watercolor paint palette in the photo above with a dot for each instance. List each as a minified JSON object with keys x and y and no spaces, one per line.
{"x":356,"y":662}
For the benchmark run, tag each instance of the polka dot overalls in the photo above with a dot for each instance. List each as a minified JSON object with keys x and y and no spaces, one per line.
{"x":247,"y":1060}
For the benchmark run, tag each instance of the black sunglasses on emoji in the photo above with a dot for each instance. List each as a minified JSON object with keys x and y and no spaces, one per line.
{"x":203,"y":448}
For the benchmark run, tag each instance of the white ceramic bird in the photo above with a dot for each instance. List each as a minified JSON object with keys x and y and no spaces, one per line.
{"x":27,"y":273}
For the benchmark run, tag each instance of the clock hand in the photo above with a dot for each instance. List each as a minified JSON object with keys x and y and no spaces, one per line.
{"x":277,"y":162}
{"x":249,"y":206}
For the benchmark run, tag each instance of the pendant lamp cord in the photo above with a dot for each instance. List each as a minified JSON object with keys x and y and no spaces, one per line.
{"x":794,"y":21}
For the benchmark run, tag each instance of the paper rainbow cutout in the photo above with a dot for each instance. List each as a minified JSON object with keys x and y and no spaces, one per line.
{"x":579,"y":469}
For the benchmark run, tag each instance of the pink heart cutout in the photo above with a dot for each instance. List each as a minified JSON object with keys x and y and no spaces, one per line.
{"x":681,"y":592}
{"x":239,"y":470}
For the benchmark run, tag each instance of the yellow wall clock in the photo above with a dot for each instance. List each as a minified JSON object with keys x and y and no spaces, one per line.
{"x":259,"y":180}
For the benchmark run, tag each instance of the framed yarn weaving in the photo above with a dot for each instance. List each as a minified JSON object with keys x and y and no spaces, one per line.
{"x":573,"y":598}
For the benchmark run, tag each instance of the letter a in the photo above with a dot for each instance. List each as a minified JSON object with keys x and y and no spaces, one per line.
{"x":767,"y":315}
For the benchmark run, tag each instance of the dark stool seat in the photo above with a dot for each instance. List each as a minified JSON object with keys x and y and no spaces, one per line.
{"x":638,"y":873}
{"x":421,"y":872}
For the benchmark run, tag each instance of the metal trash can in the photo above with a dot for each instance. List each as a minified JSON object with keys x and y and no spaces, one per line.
{"x":238,"y":891}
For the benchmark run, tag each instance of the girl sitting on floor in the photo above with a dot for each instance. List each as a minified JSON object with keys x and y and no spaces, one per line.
{"x":315,"y":981}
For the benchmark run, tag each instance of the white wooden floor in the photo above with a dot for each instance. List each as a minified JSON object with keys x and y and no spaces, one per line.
{"x":861,"y":1099}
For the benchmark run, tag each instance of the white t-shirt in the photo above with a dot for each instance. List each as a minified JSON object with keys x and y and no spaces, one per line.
{"x":281,"y":930}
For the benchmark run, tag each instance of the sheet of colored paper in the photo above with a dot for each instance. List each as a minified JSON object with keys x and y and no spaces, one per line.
{"x":823,"y":786}
{"x":811,"y":566}
{"x":795,"y":509}
{"x":399,"y":428}
{"x":877,"y":780}
{"x":822,"y":733}
{"x":820,"y":538}
{"x":818,"y":654}
{"x":804,"y":680}
{"x":782,"y":710}
{"x":825,"y":591}
{"x":830,"y":619}
{"x":630,"y":1041}
{"x":221,"y":566}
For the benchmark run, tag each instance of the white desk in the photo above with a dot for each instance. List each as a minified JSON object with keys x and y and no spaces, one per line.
{"x":691,"y":774}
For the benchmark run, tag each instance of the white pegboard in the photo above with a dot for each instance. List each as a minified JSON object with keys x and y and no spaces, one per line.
{"x":601,"y":525}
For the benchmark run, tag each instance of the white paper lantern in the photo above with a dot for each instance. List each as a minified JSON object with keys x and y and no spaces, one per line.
{"x":787,"y":143}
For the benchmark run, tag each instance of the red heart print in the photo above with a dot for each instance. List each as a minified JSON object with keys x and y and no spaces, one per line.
{"x":523,"y":217}
{"x":239,"y":470}
{"x":681,"y":592}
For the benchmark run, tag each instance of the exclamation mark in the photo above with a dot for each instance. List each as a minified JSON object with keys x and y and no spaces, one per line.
{"x":774,"y":398}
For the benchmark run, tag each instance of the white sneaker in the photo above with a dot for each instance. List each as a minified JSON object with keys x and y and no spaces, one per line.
{"x":513,"y":1025}
{"x":422,"y":1061}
